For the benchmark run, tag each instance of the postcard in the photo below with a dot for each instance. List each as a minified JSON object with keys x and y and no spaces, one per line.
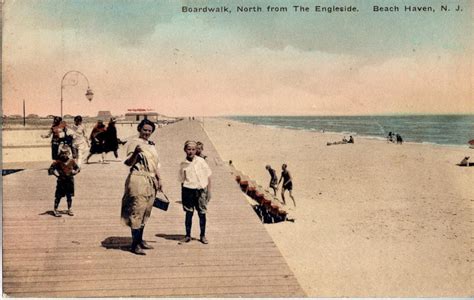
{"x":339,"y":134}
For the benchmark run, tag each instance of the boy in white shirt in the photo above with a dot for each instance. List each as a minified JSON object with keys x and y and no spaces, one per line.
{"x":195,"y":189}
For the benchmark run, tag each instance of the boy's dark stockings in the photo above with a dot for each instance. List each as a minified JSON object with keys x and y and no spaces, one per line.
{"x":58,"y":200}
{"x":189,"y":221}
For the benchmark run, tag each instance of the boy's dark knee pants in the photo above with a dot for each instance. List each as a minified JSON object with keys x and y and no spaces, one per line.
{"x":194,"y":199}
{"x":189,"y":222}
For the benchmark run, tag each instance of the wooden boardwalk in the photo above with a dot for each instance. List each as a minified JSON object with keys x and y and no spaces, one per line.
{"x":87,"y":255}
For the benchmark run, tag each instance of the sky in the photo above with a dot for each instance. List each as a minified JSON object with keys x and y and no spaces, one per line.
{"x":152,"y":55}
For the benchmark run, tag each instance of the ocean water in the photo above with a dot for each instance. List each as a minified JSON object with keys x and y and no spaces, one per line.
{"x":453,"y":130}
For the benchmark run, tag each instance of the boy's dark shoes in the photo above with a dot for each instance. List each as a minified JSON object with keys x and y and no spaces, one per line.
{"x":186,"y":239}
{"x":138,"y":251}
{"x":204,"y":240}
{"x":69,"y":212}
{"x":145,"y":245}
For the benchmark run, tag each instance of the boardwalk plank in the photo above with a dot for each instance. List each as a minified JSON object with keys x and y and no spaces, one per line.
{"x":241,"y":291}
{"x":159,"y":273}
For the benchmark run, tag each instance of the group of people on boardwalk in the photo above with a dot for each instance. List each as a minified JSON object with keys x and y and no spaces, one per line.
{"x":103,"y":139}
{"x":285,"y":178}
{"x":144,"y":181}
{"x":69,"y":145}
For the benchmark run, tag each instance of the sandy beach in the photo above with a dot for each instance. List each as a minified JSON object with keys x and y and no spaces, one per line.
{"x":372,"y":219}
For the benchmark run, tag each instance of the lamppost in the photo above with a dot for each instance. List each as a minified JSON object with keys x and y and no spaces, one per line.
{"x":89,"y":94}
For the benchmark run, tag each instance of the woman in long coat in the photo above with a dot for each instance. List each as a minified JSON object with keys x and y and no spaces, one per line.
{"x":141,"y":185}
{"x":97,"y":141}
{"x":111,"y":141}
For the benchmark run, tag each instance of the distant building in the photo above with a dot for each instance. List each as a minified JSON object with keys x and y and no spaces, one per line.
{"x":138,"y":116}
{"x":104,"y":114}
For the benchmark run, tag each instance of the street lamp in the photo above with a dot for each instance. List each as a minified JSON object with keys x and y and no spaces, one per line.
{"x":89,"y":94}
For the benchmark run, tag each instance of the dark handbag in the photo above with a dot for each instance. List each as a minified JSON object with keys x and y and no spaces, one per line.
{"x":161,"y":203}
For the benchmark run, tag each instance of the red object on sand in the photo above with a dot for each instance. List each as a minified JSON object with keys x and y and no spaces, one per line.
{"x":471,"y":142}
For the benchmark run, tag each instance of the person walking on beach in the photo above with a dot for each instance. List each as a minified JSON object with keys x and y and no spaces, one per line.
{"x":64,"y":169}
{"x":390,"y":137}
{"x":287,"y":184}
{"x":194,"y":175}
{"x":273,"y":179}
{"x":141,"y":185}
{"x":79,"y":142}
{"x":399,"y":139}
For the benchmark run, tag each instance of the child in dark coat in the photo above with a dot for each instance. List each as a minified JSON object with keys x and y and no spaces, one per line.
{"x":64,"y":169}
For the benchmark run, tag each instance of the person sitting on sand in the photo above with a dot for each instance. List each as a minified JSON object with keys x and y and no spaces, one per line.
{"x":344,"y":141}
{"x":464,"y":162}
{"x":351,"y":140}
{"x":273,"y":179}
{"x":287,"y":184}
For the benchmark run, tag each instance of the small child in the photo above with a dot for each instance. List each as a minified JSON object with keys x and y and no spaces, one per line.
{"x":199,"y":149}
{"x":195,"y":189}
{"x":64,"y":168}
